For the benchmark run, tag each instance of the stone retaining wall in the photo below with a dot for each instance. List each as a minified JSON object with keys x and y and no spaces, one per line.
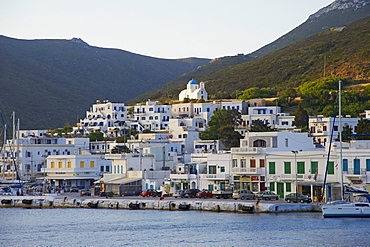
{"x":166,"y":204}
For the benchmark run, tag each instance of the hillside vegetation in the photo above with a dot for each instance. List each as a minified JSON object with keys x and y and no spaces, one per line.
{"x":337,"y":14}
{"x":344,"y":54}
{"x":49,"y":83}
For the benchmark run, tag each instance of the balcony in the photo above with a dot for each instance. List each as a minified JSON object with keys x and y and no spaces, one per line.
{"x":183,"y":176}
{"x":221,"y":177}
{"x":301,"y":177}
{"x":252,"y":171}
{"x":253,"y":150}
{"x":351,"y":174}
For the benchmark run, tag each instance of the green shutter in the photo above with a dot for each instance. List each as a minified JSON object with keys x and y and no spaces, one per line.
{"x":287,"y":168}
{"x":314,"y":165}
{"x":300,"y":167}
{"x":288,"y":187}
{"x":331,"y":168}
{"x":271,"y":167}
{"x":272,"y":185}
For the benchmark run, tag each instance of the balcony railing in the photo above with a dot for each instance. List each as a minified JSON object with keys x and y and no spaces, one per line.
{"x":214,"y":176}
{"x":248,"y":170}
{"x":254,"y":150}
{"x":183,"y":176}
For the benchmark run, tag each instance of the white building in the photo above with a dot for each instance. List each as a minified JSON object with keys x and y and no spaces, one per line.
{"x":75,"y":170}
{"x":241,"y":106}
{"x":195,"y":110}
{"x":194,"y":91}
{"x":27,"y":155}
{"x":321,"y":127}
{"x":151,"y":116}
{"x":106,"y":117}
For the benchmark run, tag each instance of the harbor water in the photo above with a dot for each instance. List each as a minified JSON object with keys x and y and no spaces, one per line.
{"x":107,"y":227}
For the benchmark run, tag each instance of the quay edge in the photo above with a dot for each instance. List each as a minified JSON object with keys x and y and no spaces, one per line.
{"x":165,"y":204}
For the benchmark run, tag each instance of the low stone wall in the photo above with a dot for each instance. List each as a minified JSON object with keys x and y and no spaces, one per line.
{"x":166,"y":204}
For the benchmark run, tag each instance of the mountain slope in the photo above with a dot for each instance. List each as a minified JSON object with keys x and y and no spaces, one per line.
{"x":339,"y":13}
{"x":49,"y":83}
{"x":336,"y":53}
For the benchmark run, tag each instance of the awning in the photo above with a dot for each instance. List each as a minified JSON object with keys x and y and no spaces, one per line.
{"x":123,"y":180}
{"x":67,"y":178}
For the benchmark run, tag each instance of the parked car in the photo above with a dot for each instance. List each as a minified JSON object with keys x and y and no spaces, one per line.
{"x":190,"y":193}
{"x":267,"y":195}
{"x":74,"y":189}
{"x":105,"y":194}
{"x":204,"y":194}
{"x":85,"y":192}
{"x":178,"y":193}
{"x":243,"y":194}
{"x":293,"y":197}
{"x":150,"y":192}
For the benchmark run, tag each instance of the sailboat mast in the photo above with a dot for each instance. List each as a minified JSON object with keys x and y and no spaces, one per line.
{"x":340,"y":140}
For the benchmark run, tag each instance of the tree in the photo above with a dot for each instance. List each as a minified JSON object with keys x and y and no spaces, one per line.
{"x":301,"y":118}
{"x":221,"y":127}
{"x":363,"y":128}
{"x":260,"y":126}
{"x":346,"y":133}
{"x":255,"y":93}
{"x":120,"y":149}
{"x":287,"y":97}
{"x":96,"y":136}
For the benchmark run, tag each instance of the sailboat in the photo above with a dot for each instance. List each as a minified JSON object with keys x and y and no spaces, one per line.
{"x":359,"y":205}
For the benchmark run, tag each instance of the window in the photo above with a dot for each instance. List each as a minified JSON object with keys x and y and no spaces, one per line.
{"x":52,"y":164}
{"x":69,"y":164}
{"x":335,"y":127}
{"x":243,"y":163}
{"x":331,"y":168}
{"x":300,"y":167}
{"x":356,"y":167}
{"x":312,"y":129}
{"x":102,"y":168}
{"x":345,"y":165}
{"x":107,"y":168}
{"x":222,"y":169}
{"x":92,"y":164}
{"x":288,"y":187}
{"x":262,"y":163}
{"x":314,"y":166}
{"x":287,"y":168}
{"x":60,"y":164}
{"x":271,"y":168}
{"x":252,"y":163}
{"x":286,"y":142}
{"x":368,"y":165}
{"x":272,"y":184}
{"x":82,"y":164}
{"x":235,"y":163}
{"x":324,"y":128}
{"x":212,"y":169}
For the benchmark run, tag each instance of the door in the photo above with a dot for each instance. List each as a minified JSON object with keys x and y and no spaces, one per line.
{"x":280,"y":189}
{"x":356,"y":166}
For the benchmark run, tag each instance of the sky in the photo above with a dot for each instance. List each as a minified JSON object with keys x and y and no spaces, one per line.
{"x":159,"y":28}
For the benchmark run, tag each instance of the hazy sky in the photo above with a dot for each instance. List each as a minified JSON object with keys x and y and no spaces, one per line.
{"x":159,"y":28}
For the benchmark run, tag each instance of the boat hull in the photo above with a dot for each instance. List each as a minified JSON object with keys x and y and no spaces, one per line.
{"x":357,"y":210}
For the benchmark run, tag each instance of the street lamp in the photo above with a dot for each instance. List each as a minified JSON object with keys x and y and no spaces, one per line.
{"x":296,"y":168}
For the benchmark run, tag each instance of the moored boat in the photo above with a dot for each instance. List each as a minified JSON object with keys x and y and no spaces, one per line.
{"x":360,"y":207}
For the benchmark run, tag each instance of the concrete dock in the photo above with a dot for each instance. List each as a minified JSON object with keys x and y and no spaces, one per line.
{"x":165,"y":204}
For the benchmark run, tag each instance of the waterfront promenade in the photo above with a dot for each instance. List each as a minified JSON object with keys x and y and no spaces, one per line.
{"x":70,"y":200}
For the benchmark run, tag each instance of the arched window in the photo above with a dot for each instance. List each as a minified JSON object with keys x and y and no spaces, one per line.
{"x":259,"y":143}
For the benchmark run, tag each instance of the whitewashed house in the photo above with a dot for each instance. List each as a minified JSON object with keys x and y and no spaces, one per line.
{"x":106,"y":117}
{"x":151,"y":116}
{"x":194,"y":90}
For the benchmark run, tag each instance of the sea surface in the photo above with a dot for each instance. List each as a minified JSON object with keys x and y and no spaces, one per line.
{"x":108,"y":227}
